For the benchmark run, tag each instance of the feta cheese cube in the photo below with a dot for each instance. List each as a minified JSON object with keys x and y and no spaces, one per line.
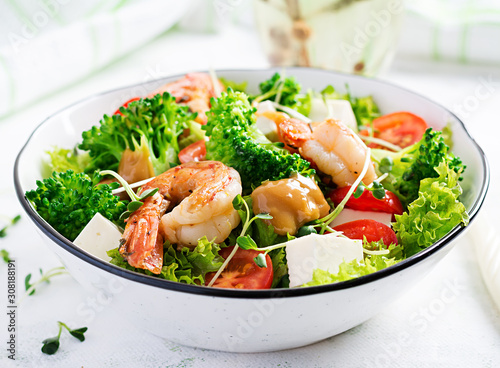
{"x":266,"y":125}
{"x":324,"y":252}
{"x":99,"y":236}
{"x":341,"y":110}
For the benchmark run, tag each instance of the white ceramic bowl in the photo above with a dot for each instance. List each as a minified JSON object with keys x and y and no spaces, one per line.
{"x":246,"y":320}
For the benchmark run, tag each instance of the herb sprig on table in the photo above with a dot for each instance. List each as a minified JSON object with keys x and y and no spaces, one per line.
{"x":51,"y":344}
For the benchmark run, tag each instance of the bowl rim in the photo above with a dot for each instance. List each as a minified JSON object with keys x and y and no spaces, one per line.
{"x":236,"y":293}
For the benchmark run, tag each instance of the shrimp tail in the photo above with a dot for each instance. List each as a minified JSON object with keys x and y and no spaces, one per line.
{"x":141,"y":244}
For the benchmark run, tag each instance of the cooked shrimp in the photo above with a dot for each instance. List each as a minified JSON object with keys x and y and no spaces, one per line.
{"x":199,"y":195}
{"x":194,"y":90}
{"x":338,"y":152}
{"x":333,"y":147}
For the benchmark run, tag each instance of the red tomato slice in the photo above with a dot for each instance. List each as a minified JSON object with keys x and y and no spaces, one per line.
{"x":242,"y":272}
{"x":367,"y":202}
{"x":372,"y":230}
{"x":194,"y":152}
{"x":400,"y":128}
{"x":126,"y":104}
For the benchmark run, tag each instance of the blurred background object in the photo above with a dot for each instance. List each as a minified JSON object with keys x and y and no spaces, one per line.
{"x":47,"y":45}
{"x":462,"y":31}
{"x":352,"y":36}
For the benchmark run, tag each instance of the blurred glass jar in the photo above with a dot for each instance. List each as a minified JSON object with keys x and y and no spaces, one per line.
{"x":352,"y":36}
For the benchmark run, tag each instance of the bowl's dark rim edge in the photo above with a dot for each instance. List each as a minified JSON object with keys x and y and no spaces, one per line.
{"x":250,"y":294}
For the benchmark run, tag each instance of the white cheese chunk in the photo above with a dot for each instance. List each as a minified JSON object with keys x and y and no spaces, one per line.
{"x":264,"y":124}
{"x":99,"y":236}
{"x":341,"y":110}
{"x":324,"y":252}
{"x":348,"y":215}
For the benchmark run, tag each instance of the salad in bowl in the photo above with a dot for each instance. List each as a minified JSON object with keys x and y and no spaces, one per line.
{"x":206,"y":181}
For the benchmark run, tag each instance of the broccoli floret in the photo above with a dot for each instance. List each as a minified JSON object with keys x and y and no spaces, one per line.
{"x":69,"y":200}
{"x":288,"y":89}
{"x":158,"y":119}
{"x":417,"y":162}
{"x":235,"y":141}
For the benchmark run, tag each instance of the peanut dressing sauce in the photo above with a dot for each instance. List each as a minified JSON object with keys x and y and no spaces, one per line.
{"x":292,"y":202}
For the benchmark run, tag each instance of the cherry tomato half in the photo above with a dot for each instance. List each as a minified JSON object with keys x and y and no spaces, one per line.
{"x":126,"y":104}
{"x":367,"y":202}
{"x":242,"y":272}
{"x":400,"y":128}
{"x":372,"y":230}
{"x":194,"y":152}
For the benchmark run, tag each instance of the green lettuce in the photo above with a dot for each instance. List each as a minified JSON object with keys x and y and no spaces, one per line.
{"x":264,"y":236}
{"x":433,"y":214}
{"x":62,"y":160}
{"x":414,"y":163}
{"x":351,"y":270}
{"x":186,"y":266}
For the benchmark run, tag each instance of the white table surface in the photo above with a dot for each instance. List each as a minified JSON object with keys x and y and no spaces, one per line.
{"x":422,"y":329}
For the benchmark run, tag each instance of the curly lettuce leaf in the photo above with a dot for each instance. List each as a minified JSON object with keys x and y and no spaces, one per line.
{"x":235,"y":86}
{"x":433,"y":214}
{"x":62,"y":160}
{"x":415,"y":163}
{"x":186,"y":266}
{"x":351,"y":270}
{"x":264,"y":236}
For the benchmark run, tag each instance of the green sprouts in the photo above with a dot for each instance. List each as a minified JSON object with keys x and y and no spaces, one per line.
{"x":51,"y":345}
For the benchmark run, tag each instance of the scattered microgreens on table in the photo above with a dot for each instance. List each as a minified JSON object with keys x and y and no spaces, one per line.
{"x":44,"y":277}
{"x":5,"y":255}
{"x":51,"y":345}
{"x":13,"y":221}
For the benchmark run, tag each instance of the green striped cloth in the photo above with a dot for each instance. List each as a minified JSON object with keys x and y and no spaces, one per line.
{"x":47,"y":44}
{"x":465,"y":31}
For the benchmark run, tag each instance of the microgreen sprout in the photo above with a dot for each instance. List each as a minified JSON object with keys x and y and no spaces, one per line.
{"x":51,"y":345}
{"x":13,"y":221}
{"x":44,"y":277}
{"x":386,"y":165}
{"x":375,"y":187}
{"x":5,"y":255}
{"x":136,"y":201}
